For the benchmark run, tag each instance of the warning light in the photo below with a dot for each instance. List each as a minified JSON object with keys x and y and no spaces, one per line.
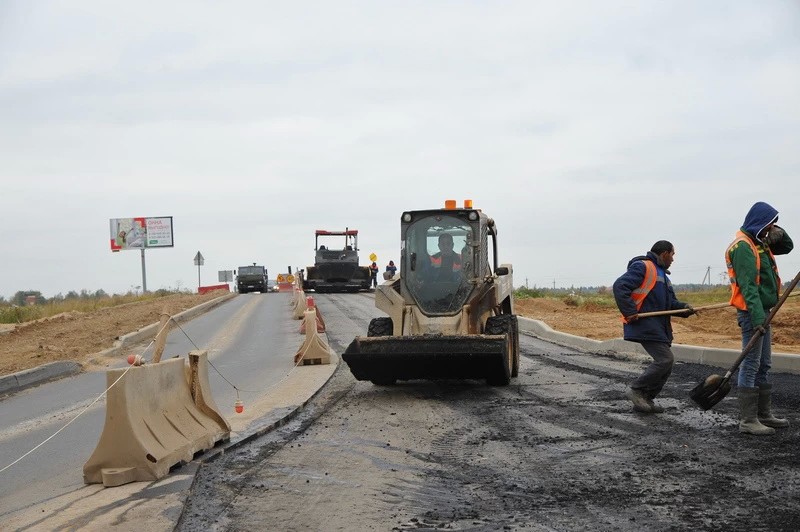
{"x":467,"y":203}
{"x":238,"y":406}
{"x":450,"y":204}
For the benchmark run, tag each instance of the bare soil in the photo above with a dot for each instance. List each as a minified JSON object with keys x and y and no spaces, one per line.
{"x":80,"y":336}
{"x":710,"y":328}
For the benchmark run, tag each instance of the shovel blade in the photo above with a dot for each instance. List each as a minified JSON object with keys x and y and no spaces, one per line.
{"x":710,"y":391}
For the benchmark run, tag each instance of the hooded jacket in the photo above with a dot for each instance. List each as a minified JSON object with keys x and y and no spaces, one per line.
{"x":661,"y":297}
{"x":760,"y":297}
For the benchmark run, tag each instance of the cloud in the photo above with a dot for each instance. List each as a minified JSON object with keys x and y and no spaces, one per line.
{"x":587,"y":130}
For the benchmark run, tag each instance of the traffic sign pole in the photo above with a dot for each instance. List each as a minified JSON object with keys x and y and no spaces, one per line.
{"x":198,"y":261}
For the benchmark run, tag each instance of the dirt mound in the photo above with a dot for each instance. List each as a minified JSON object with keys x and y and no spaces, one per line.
{"x":78,"y":335}
{"x":711,"y":328}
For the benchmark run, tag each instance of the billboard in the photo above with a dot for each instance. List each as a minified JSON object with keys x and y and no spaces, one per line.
{"x":141,"y":233}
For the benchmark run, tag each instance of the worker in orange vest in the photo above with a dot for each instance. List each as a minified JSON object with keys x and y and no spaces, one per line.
{"x":755,"y":285}
{"x":645,"y":287}
{"x":373,"y":273}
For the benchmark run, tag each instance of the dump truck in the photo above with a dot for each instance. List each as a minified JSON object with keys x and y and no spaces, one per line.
{"x":251,"y":279}
{"x":450,"y":311}
{"x":336,"y":267}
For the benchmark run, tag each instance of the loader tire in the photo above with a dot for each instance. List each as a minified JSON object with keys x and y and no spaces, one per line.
{"x":515,"y":339}
{"x":381,"y":327}
{"x":502,"y":325}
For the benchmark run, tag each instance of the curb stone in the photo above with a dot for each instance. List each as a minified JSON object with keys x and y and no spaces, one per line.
{"x":30,"y":377}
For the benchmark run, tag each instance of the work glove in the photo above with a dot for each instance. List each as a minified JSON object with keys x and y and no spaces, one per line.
{"x":689,"y":311}
{"x":761,"y":329}
{"x":631,"y":318}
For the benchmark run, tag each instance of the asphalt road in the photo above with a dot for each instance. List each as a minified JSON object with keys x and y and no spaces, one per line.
{"x":247,"y":339}
{"x":559,"y":449}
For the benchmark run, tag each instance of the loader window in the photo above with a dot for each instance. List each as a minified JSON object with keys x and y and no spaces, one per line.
{"x":439,"y":263}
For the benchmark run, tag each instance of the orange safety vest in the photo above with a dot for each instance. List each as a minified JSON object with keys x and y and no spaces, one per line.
{"x":737,"y":299}
{"x":649,"y":281}
{"x":437,"y":262}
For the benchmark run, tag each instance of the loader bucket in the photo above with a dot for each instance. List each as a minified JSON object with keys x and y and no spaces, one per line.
{"x":385,"y":359}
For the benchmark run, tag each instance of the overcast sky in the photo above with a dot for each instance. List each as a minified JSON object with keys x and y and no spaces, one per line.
{"x":588,"y":130}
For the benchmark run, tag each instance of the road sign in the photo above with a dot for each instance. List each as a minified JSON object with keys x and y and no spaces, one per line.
{"x":373,"y":257}
{"x":198,"y":259}
{"x":225,"y":276}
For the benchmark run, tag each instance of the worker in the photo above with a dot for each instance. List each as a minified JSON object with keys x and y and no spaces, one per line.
{"x":373,"y":272}
{"x":645,"y":287}
{"x":391,"y":268}
{"x":446,"y":262}
{"x":755,"y":284}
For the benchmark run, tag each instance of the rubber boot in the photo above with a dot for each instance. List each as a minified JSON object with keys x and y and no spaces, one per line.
{"x":765,"y":408}
{"x":748,"y":417}
{"x":639,"y":400}
{"x":654,"y":408}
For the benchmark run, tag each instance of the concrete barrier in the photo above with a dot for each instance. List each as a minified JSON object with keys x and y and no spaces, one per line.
{"x":299,"y":305}
{"x":320,"y":322}
{"x":153,"y":421}
{"x":211,"y":288}
{"x":314,"y":350}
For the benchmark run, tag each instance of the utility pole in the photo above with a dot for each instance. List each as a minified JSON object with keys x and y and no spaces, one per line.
{"x":707,"y":276}
{"x":554,"y":283}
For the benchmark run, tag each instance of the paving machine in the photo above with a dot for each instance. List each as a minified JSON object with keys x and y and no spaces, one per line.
{"x":450,"y":310}
{"x":336,"y":267}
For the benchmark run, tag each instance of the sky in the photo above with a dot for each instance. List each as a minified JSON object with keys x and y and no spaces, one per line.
{"x":587,"y":130}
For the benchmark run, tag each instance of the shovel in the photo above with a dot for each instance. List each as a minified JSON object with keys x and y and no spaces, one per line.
{"x":682,"y":310}
{"x":714,"y":388}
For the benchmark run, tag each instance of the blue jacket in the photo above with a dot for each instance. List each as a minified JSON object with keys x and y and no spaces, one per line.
{"x":661,"y":297}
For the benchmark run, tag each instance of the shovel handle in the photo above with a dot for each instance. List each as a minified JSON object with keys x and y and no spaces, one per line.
{"x":681,"y":310}
{"x":766,"y":323}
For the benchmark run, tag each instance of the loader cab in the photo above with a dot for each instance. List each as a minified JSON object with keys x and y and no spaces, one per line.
{"x":439,"y":257}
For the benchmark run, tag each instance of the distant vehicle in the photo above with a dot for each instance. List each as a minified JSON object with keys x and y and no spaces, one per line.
{"x":251,"y":279}
{"x":336,"y":266}
{"x":450,"y":313}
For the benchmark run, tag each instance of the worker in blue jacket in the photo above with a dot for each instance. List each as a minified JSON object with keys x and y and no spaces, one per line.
{"x":645,"y":287}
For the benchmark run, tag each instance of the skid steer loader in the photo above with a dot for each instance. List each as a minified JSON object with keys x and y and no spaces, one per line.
{"x":450,"y":314}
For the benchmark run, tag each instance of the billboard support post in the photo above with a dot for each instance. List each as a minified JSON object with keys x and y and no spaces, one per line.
{"x":144,"y":275}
